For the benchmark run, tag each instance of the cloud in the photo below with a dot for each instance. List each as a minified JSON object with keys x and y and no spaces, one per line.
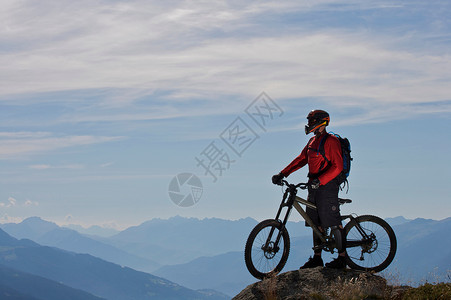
{"x":11,"y":202}
{"x":5,"y":218}
{"x":222,"y":50}
{"x":29,"y":203}
{"x":40,"y":167}
{"x":20,"y":144}
{"x":68,"y":218}
{"x":107,"y":164}
{"x":24,"y":134}
{"x":45,"y":167}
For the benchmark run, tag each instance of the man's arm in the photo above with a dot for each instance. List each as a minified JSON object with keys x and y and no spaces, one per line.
{"x":296,"y":164}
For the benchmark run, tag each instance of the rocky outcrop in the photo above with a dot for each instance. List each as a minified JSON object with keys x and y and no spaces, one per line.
{"x":319,"y":283}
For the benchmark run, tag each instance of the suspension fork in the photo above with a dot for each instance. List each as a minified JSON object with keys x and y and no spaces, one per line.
{"x":289,"y":193}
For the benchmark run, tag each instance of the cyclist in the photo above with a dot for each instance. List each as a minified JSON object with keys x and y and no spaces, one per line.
{"x":323,"y":185}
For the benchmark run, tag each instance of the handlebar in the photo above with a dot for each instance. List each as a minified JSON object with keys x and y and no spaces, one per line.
{"x":302,"y":185}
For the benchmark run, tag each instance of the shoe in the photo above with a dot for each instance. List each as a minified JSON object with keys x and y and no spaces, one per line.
{"x":338,"y":263}
{"x":313,"y":262}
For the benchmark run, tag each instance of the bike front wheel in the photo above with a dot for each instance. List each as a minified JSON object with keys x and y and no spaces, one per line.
{"x":267,"y":249}
{"x":370,"y":244}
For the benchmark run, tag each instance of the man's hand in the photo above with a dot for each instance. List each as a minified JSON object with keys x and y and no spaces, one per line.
{"x":314,"y":184}
{"x":277,"y":179}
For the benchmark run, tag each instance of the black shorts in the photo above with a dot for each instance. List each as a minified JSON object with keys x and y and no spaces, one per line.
{"x":325,"y":198}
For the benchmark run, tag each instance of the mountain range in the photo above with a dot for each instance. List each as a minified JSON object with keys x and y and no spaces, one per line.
{"x":81,"y":272}
{"x":93,"y":230}
{"x":20,"y":285}
{"x":423,"y":255}
{"x":49,"y":234}
{"x":208,"y":253}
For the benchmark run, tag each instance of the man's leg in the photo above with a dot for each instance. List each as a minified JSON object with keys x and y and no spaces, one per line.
{"x":317,"y":241}
{"x":316,"y":260}
{"x":329,"y":214}
{"x":340,"y":241}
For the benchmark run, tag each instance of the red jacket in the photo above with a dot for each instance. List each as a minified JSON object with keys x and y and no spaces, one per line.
{"x":310,"y":155}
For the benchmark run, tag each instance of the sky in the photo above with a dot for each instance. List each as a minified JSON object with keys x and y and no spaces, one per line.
{"x":105,"y":104}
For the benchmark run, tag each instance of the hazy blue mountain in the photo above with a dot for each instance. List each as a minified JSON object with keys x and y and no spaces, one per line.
{"x":31,"y":228}
{"x":93,"y":230}
{"x":397,"y":221}
{"x":179,"y":240}
{"x":19,"y":285}
{"x":7,"y":293}
{"x":208,"y":253}
{"x":49,"y":234}
{"x":225,"y":273}
{"x":423,"y":248}
{"x":91,"y":274}
{"x":173,"y":241}
{"x":71,"y":240}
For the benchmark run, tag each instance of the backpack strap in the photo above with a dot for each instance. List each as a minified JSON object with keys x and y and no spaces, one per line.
{"x":321,"y":151}
{"x":321,"y":147}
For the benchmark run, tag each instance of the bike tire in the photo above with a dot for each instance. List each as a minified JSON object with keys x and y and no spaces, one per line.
{"x":260,"y":263}
{"x":375,"y":255}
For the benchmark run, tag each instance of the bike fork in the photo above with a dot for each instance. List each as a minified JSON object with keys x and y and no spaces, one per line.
{"x":282,"y":228}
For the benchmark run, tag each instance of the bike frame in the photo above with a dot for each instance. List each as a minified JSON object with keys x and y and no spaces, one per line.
{"x":290,"y":200}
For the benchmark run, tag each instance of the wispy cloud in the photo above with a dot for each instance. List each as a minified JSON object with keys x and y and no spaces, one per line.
{"x":68,"y":218}
{"x":107,"y":164}
{"x":46,"y":167}
{"x":193,"y":50}
{"x":20,"y":144}
{"x":5,"y":218}
{"x":29,"y":203}
{"x":11,"y":202}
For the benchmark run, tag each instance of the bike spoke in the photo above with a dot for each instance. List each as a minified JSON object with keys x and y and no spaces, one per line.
{"x":269,"y":262}
{"x":371,"y":250}
{"x":265,"y":256}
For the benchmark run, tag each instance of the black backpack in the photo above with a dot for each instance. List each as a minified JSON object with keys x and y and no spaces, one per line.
{"x":345,"y":153}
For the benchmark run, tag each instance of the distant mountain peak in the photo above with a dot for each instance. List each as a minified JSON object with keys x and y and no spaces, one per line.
{"x":38,"y":221}
{"x":397,"y":220}
{"x":34,"y":218}
{"x":31,"y":228}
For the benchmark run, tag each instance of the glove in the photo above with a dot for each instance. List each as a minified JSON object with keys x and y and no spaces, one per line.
{"x":314,"y":184}
{"x":277,"y":179}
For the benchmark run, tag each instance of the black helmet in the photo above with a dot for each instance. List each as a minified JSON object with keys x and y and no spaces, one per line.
{"x":316,"y":118}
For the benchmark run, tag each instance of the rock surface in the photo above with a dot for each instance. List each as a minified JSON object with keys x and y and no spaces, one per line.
{"x":319,"y":283}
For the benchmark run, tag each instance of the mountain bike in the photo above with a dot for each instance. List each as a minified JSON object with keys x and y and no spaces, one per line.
{"x":370,"y":241}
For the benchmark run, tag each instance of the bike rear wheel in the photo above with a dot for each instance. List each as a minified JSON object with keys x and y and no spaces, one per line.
{"x":267,"y":249}
{"x":372,"y":250}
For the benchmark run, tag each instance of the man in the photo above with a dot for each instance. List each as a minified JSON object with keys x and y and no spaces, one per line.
{"x":323,"y":185}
